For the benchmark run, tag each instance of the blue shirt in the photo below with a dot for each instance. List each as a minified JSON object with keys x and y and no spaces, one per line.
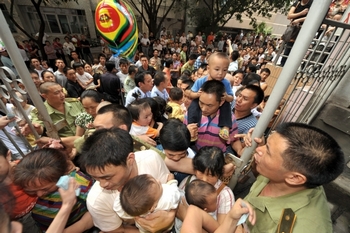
{"x":163,"y":94}
{"x":199,"y":82}
{"x":130,"y":98}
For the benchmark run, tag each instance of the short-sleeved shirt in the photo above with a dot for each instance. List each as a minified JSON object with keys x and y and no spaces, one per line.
{"x":60,"y":78}
{"x":246,"y":123}
{"x":86,"y":77}
{"x":100,"y":201}
{"x":209,"y":129}
{"x":47,"y":207}
{"x":72,"y":109}
{"x":129,"y":84}
{"x":136,"y":91}
{"x":199,"y":82}
{"x":162,"y":94}
{"x":309,"y":205}
{"x":188,"y":67}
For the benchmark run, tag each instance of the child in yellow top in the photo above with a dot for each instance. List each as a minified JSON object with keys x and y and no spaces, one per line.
{"x":176,"y":99}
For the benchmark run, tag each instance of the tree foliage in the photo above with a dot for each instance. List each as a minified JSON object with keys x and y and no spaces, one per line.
{"x":263,"y":28}
{"x":211,"y":15}
{"x":153,"y":9}
{"x":36,"y":4}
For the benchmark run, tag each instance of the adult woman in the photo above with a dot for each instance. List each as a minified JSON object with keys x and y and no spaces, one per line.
{"x":38,"y":173}
{"x":297,"y":15}
{"x":50,"y":52}
{"x":175,"y":71}
{"x":48,"y":76}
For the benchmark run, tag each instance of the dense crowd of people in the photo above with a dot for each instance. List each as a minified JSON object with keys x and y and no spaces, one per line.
{"x":145,"y":144}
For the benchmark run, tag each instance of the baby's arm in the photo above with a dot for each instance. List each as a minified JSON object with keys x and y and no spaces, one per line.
{"x":228,"y":98}
{"x":193,"y":94}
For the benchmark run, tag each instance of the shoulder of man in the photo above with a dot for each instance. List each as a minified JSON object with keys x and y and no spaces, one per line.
{"x":72,"y":100}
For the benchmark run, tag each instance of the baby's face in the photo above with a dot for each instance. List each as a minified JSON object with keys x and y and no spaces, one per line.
{"x":212,"y":203}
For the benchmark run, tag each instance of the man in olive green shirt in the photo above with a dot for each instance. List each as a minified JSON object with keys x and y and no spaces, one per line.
{"x":294,"y":164}
{"x":60,"y":109}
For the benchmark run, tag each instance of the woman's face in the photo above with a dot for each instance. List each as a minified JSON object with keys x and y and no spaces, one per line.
{"x":87,"y":68}
{"x":40,"y":188}
{"x":90,"y":106}
{"x":206,"y":177}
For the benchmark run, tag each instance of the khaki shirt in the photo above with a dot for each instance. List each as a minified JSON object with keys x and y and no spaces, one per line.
{"x":72,"y":109}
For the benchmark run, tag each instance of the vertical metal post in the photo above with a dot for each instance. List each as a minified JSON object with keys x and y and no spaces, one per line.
{"x":312,"y":23}
{"x":11,"y":47}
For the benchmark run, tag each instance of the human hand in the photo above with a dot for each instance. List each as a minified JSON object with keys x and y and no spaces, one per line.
{"x":193,"y":128}
{"x":43,"y":141}
{"x":247,"y":138}
{"x":170,"y":177}
{"x":242,"y":207}
{"x":68,"y":196}
{"x":305,"y":11}
{"x":229,"y":169}
{"x":25,"y":130}
{"x":157,"y":221}
{"x":182,"y":209}
{"x":4,"y":121}
{"x":147,"y":139}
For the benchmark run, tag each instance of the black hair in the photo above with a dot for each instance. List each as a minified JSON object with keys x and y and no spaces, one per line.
{"x":235,"y":55}
{"x":140,"y":77}
{"x":121,"y":115}
{"x":176,"y":94}
{"x":214,"y":87}
{"x":106,"y":147}
{"x":158,"y":78}
{"x":132,"y":69}
{"x":77,"y":65}
{"x":110,"y":65}
{"x":193,"y":56}
{"x":137,"y":106}
{"x":311,"y":152}
{"x":266,"y":70}
{"x":259,"y":93}
{"x":209,"y":160}
{"x":174,"y":135}
{"x":95,"y":95}
{"x":197,"y":193}
{"x":168,"y":63}
{"x":123,"y":61}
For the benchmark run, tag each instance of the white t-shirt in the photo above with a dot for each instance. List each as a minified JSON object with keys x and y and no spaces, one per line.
{"x":86,"y":77}
{"x":100,"y":201}
{"x":145,"y":41}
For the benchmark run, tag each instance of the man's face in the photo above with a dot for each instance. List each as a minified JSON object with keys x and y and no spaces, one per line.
{"x":74,"y":55}
{"x":268,"y":158}
{"x":245,"y":101}
{"x":147,"y":84}
{"x":175,"y":155}
{"x":264,"y":75}
{"x":144,"y":62}
{"x":54,"y":95}
{"x":71,"y":75}
{"x":36,"y":79}
{"x":102,"y":60}
{"x":155,"y":53}
{"x":208,"y":104}
{"x":60,"y":64}
{"x":113,"y":177}
{"x":104,"y":121}
{"x":123,"y":68}
{"x":35,"y":62}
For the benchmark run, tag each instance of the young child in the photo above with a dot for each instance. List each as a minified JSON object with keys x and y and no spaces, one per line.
{"x":208,"y":166}
{"x":176,"y":96}
{"x":201,"y":194}
{"x":217,"y":69}
{"x":129,"y":82}
{"x":142,"y":116}
{"x":264,"y":74}
{"x":84,"y":79}
{"x":143,"y":195}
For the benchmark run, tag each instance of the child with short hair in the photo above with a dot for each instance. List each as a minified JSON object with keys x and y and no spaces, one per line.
{"x":217,"y":69}
{"x":123,"y":70}
{"x":201,"y":194}
{"x":176,"y":96}
{"x":84,"y":79}
{"x":143,"y":195}
{"x":142,"y":116}
{"x":264,"y":74}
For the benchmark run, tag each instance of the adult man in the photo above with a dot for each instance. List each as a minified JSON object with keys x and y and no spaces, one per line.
{"x":68,"y":47}
{"x":85,"y":44}
{"x":183,"y":39}
{"x":189,"y":65}
{"x":294,"y":164}
{"x":110,"y":84}
{"x":210,"y":100}
{"x":250,"y":97}
{"x":76,"y":59}
{"x":112,"y":170}
{"x":144,"y":85}
{"x":73,"y":87}
{"x":6,"y":61}
{"x":60,"y":76}
{"x":159,"y":88}
{"x":157,"y":59}
{"x":183,"y":55}
{"x":145,"y":67}
{"x":37,"y":66}
{"x":200,"y":60}
{"x":58,"y":109}
{"x":145,"y":42}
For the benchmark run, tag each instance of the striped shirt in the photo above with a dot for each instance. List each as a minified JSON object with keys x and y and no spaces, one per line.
{"x":48,"y":206}
{"x":208,"y":132}
{"x":246,"y":123}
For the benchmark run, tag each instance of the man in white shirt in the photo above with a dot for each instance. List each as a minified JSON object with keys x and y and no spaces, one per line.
{"x":160,"y":84}
{"x":112,"y":170}
{"x":183,"y":39}
{"x":145,"y":44}
{"x":59,"y":73}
